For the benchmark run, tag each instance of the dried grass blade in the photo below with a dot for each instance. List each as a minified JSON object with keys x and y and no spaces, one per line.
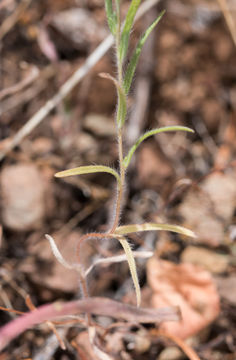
{"x":132,"y":267}
{"x":127,"y":229}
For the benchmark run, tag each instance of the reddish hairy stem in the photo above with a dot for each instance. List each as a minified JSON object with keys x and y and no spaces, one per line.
{"x":98,"y":306}
{"x":91,"y":236}
{"x":84,"y":238}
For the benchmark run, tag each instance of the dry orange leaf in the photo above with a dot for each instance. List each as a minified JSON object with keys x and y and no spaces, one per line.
{"x":186,"y":286}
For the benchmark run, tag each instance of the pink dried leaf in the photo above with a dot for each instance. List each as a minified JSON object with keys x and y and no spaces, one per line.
{"x":187,"y":286}
{"x":98,"y":306}
{"x":46,"y":45}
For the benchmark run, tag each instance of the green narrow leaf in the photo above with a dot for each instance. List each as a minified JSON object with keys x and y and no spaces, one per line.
{"x":111,"y":16}
{"x":129,"y":20}
{"x":135,"y":57}
{"x":132,"y":267}
{"x":88,"y":170}
{"x":128,"y":158}
{"x":121,"y":108}
{"x":127,"y":229}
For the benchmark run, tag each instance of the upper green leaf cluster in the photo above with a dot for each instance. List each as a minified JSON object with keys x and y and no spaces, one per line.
{"x":125,"y":34}
{"x":129,"y":74}
{"x":125,"y":31}
{"x":111,"y":16}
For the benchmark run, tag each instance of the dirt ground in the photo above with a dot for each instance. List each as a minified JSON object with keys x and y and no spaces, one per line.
{"x":186,"y":76}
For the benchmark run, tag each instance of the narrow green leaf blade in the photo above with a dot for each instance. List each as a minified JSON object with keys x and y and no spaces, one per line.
{"x":132,"y":267}
{"x":143,"y":137}
{"x":81,"y":170}
{"x":111,"y":16}
{"x":122,"y":107}
{"x":135,"y":57}
{"x":127,"y":229}
{"x":129,"y":20}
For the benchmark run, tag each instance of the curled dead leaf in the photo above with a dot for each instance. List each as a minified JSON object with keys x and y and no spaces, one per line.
{"x":186,"y":286}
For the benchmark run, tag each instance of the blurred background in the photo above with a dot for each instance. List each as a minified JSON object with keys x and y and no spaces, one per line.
{"x":186,"y":76}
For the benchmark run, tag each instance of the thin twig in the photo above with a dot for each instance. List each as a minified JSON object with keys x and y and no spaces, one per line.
{"x":34,"y":73}
{"x":51,"y":326}
{"x":13,"y":18}
{"x":183,"y":346}
{"x":97,"y":306}
{"x":28,"y":94}
{"x":6,"y":300}
{"x":17,"y":312}
{"x":66,"y":88}
{"x":228,"y":18}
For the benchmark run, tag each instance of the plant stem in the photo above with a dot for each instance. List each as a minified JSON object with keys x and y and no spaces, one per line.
{"x":96,"y":305}
{"x":120,"y":187}
{"x":118,"y":36}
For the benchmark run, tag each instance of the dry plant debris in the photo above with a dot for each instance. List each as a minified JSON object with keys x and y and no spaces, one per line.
{"x":208,"y":259}
{"x":190,"y":288}
{"x":52,"y":275}
{"x":227,"y":288}
{"x":23,"y":197}
{"x":209,"y":208}
{"x":78,"y":28}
